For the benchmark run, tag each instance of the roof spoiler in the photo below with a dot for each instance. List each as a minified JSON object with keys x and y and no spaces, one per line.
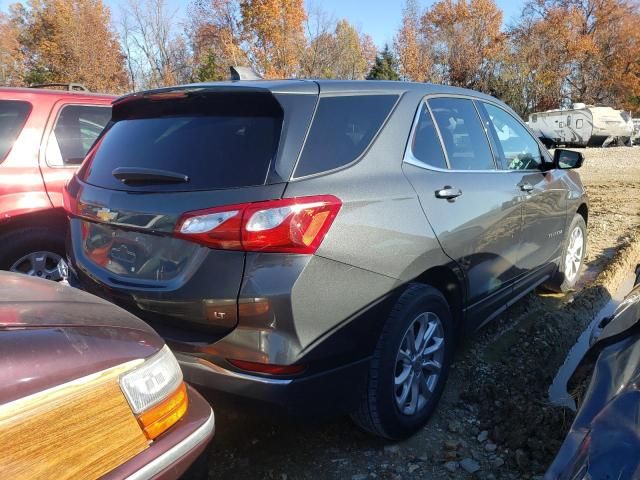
{"x":243,"y":73}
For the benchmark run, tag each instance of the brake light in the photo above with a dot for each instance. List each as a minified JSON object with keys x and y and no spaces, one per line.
{"x":289,"y":225}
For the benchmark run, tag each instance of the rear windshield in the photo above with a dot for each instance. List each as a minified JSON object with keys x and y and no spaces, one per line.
{"x":13,"y":115}
{"x":214,"y":151}
{"x":342,"y":129}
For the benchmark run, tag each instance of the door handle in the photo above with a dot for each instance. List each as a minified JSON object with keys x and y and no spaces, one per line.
{"x":525,"y":186}
{"x":448,"y":193}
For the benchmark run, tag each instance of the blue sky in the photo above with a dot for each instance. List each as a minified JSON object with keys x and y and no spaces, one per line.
{"x":378,"y":18}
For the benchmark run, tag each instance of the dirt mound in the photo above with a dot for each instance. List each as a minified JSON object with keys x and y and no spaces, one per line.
{"x":511,"y":389}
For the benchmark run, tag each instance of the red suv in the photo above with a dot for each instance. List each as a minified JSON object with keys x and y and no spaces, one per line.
{"x":44,"y":136}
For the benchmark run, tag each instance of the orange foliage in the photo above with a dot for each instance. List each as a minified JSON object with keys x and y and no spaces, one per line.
{"x":275,"y":33}
{"x":216,"y":36}
{"x":467,"y":40}
{"x":11,"y":58}
{"x":412,"y":49}
{"x":72,"y":41}
{"x":588,"y":50}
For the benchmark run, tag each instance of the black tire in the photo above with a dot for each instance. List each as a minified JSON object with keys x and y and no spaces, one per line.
{"x":560,"y":283}
{"x":379,"y":412}
{"x":19,"y":243}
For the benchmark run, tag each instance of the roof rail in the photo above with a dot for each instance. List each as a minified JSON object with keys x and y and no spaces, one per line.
{"x":71,"y":87}
{"x":243,"y":73}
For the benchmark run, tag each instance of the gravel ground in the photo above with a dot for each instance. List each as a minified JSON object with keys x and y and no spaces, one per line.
{"x":612,"y":179}
{"x":494,"y":420}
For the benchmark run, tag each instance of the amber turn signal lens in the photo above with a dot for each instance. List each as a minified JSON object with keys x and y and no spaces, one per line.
{"x":161,"y":417}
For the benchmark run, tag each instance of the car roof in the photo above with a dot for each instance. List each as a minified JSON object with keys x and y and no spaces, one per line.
{"x":17,"y":92}
{"x":310,"y":86}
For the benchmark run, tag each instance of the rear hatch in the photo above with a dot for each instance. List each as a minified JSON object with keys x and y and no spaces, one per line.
{"x":165,"y":153}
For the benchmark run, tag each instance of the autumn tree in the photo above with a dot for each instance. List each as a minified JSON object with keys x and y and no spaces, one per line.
{"x":274,"y":31}
{"x":600,"y":62}
{"x":317,"y":59}
{"x":349,"y":56}
{"x":157,"y":54}
{"x":467,"y":41}
{"x":384,"y":67}
{"x":536,"y":63}
{"x":71,"y":41}
{"x":12,"y":67}
{"x":217,"y":38}
{"x":336,"y":50}
{"x":412,"y":49}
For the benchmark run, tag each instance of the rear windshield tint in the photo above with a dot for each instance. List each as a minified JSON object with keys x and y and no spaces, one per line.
{"x":13,"y":115}
{"x":342,"y":129}
{"x":215,"y":150}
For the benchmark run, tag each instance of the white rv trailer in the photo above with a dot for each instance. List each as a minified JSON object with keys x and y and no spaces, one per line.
{"x":582,"y":126}
{"x":635,"y":138}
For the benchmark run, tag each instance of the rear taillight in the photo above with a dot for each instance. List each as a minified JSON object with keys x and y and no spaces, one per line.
{"x":289,"y":225}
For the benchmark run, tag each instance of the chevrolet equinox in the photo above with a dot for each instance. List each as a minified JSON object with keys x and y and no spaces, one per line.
{"x":322,"y":244}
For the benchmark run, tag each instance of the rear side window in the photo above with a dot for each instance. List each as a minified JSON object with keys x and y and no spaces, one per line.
{"x":342,"y":129}
{"x":426,"y":145}
{"x":217,"y":142}
{"x":13,"y":115}
{"x":75,"y":130}
{"x":463,"y":135}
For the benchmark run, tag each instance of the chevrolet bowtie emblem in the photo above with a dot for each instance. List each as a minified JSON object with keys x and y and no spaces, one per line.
{"x":106,"y":215}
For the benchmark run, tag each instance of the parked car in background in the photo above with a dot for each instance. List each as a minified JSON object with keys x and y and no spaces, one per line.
{"x":44,"y":136}
{"x":322,"y":245}
{"x":89,"y":391}
{"x":603,"y":441}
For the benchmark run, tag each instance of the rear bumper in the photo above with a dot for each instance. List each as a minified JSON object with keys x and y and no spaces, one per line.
{"x":334,"y":391}
{"x":169,"y":456}
{"x":291,"y":310}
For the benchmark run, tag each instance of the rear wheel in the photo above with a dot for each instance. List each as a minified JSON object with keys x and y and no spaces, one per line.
{"x":33,"y":251}
{"x":575,"y":247}
{"x":410,"y":365}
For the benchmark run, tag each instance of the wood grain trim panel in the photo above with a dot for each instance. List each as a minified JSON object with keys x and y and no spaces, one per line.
{"x":81,"y":429}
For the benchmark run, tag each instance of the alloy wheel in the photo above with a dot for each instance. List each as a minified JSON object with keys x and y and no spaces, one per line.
{"x":573,"y":258}
{"x":419,"y":363}
{"x":41,"y":264}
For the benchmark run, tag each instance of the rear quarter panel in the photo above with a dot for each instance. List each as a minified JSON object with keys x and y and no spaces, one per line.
{"x":379,"y":241}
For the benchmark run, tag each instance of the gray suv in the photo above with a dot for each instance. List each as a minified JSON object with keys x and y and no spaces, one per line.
{"x":322,"y":244}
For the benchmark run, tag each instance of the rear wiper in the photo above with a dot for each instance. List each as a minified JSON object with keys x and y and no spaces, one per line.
{"x":133,"y":175}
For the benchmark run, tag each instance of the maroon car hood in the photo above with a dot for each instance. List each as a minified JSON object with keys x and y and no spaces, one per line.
{"x":33,"y":302}
{"x":51,"y":334}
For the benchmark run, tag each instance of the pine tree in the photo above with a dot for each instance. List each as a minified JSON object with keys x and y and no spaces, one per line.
{"x":384,"y":67}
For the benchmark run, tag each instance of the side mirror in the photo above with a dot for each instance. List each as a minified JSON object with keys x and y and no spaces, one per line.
{"x":567,"y":159}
